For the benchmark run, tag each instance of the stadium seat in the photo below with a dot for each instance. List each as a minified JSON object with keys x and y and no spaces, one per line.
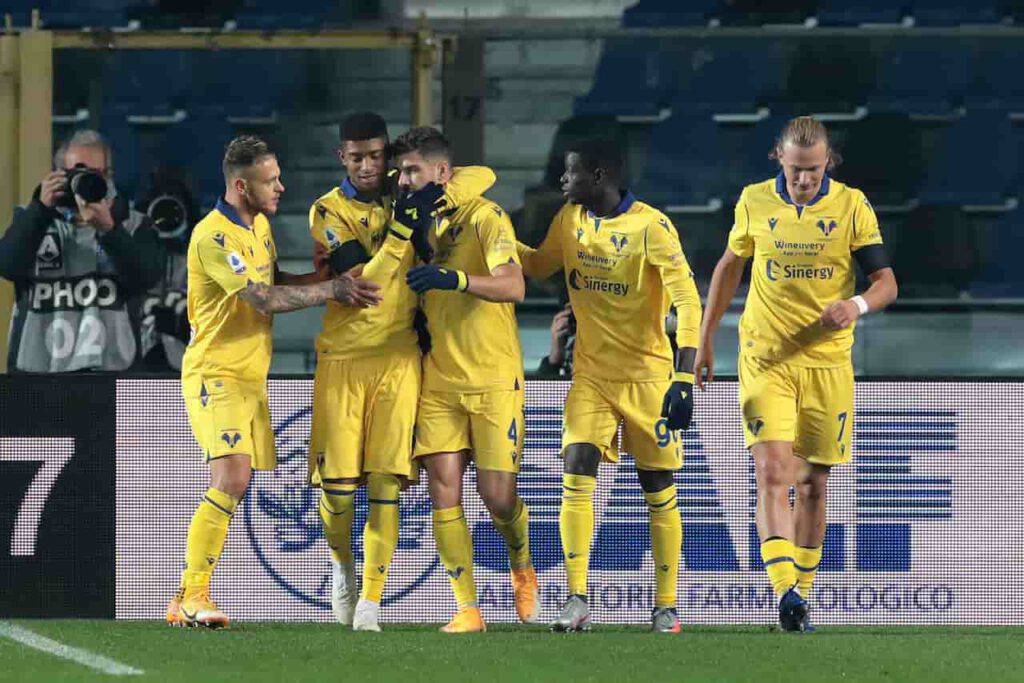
{"x":655,"y":13}
{"x":828,"y":76}
{"x":922,"y":78}
{"x":991,"y":83}
{"x":709,"y":77}
{"x":970,"y":160}
{"x":955,"y":12}
{"x":627,"y":81}
{"x":758,"y":12}
{"x":889,"y":141}
{"x":844,"y":13}
{"x":1000,"y":242}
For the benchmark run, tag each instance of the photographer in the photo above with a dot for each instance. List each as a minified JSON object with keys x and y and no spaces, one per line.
{"x":558,"y":363}
{"x":162,"y":311}
{"x":76,"y":254}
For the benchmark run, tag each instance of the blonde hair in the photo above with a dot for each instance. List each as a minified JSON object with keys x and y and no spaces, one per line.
{"x":806,"y":131}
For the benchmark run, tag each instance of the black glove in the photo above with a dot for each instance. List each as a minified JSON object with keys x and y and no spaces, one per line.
{"x":677,"y":406}
{"x":414,"y":214}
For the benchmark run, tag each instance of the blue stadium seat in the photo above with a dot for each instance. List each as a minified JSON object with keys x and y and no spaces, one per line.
{"x":922,"y":78}
{"x":994,"y":76}
{"x":728,"y":75}
{"x":970,"y":161}
{"x":955,"y":12}
{"x":694,"y":160}
{"x":1000,"y":243}
{"x":655,"y":13}
{"x":74,"y":14}
{"x":271,"y":14}
{"x":150,"y":79}
{"x":198,"y":145}
{"x":628,"y":81}
{"x":844,"y":13}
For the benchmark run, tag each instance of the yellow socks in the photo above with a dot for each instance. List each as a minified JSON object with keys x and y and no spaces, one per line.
{"x":516,"y":532}
{"x":455,"y":546}
{"x":576,"y":527}
{"x":206,"y":536}
{"x":336,"y":502}
{"x":666,"y":543}
{"x":806,"y":561}
{"x":380,"y":536}
{"x":777,"y":555}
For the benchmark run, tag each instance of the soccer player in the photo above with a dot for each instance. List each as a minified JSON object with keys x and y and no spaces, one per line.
{"x":804,"y":230}
{"x":623,"y":266}
{"x":367,"y":380}
{"x":471,"y":405}
{"x":234,"y":288}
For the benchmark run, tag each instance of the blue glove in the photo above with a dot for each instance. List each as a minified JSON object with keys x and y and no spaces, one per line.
{"x":677,"y":406}
{"x":426,"y":277}
{"x":414,"y":215}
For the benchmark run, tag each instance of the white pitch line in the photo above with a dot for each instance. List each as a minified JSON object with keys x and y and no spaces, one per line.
{"x":57,"y":649}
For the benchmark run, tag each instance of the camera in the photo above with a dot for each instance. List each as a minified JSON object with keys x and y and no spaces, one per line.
{"x":84,"y":182}
{"x":169,"y":214}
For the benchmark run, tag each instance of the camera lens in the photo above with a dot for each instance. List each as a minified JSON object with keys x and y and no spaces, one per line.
{"x":168,"y":214}
{"x":90,"y":186}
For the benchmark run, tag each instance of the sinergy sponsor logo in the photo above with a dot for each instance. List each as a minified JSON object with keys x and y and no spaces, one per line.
{"x":776,"y":271}
{"x":589,"y":283}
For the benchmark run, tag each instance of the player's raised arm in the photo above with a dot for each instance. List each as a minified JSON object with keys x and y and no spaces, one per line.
{"x":724,"y":281}
{"x":871,"y":256}
{"x":505,"y":282}
{"x":467,"y":182}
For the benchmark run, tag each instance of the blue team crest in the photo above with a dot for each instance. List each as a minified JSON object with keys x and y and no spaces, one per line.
{"x":620,"y":241}
{"x":827,"y":227}
{"x":332,"y":238}
{"x":771,"y":223}
{"x":283,"y":525}
{"x":236,"y":263}
{"x":218,"y":237}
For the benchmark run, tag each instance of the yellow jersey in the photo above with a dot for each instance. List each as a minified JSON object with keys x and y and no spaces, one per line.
{"x":803,"y":261}
{"x":230,"y":339}
{"x":623,"y":271}
{"x":343,"y":215}
{"x":474,"y":343}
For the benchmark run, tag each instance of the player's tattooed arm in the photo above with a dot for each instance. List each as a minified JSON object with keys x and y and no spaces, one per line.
{"x":284,"y":278}
{"x":352,"y":291}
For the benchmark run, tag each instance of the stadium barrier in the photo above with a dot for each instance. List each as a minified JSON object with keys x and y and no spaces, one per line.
{"x":924,"y":525}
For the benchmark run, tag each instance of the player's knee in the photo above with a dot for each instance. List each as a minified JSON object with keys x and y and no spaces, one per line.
{"x":772,"y":475}
{"x":231,"y":476}
{"x":652,"y":481}
{"x":581,"y":458}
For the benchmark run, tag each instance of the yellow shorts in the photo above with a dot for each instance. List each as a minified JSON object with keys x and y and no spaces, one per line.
{"x":810,"y":407}
{"x":594,"y":409}
{"x":490,"y":424}
{"x":364,"y":410}
{"x":231,"y":420}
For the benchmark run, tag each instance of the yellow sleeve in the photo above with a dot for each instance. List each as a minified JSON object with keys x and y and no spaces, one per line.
{"x":497,"y":236}
{"x":865,"y":224}
{"x":327,"y":227}
{"x":663,"y":251}
{"x":468,"y":182}
{"x":740,"y":241}
{"x":386,"y":263}
{"x":545,"y":260}
{"x":223,"y":259}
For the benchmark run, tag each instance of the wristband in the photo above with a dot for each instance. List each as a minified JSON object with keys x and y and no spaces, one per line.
{"x":862,"y":305}
{"x":399,"y":230}
{"x":463,"y":281}
{"x":682,"y":377}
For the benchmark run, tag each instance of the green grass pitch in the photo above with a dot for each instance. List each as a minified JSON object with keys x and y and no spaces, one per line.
{"x":292,"y":652}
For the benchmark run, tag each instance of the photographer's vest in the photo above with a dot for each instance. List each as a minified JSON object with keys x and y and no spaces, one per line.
{"x":71,"y":313}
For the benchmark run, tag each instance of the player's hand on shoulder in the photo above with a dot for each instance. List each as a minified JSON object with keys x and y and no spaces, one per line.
{"x":355,"y":291}
{"x":839,"y":315}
